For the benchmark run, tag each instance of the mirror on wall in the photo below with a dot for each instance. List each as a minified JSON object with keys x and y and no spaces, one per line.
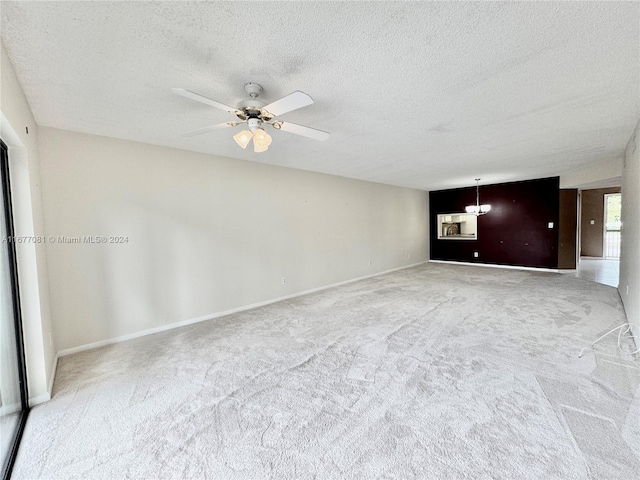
{"x":457,"y":226}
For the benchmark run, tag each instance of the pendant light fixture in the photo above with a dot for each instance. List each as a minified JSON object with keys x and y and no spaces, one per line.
{"x":478,"y":209}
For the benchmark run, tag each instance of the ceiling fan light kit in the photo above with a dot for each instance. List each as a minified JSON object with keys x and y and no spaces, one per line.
{"x":243,"y":138}
{"x":255,"y":114}
{"x":261,"y":139}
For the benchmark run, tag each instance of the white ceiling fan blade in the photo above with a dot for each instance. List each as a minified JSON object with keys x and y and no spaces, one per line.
{"x":291,"y":102}
{"x":304,"y":131}
{"x":210,"y":128}
{"x":199,"y":98}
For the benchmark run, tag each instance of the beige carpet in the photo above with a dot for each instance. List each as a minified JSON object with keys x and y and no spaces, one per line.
{"x":437,"y":372}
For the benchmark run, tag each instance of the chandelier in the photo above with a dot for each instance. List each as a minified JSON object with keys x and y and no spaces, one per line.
{"x":477,"y":209}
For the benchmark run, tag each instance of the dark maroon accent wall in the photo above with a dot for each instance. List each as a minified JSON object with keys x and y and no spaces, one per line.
{"x":515,"y":232}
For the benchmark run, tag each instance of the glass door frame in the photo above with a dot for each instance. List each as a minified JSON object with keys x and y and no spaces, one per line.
{"x":605,"y":229}
{"x":17,"y":315}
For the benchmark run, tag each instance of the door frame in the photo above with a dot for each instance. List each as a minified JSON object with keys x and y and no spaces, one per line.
{"x":17,"y":313}
{"x":604,"y":223}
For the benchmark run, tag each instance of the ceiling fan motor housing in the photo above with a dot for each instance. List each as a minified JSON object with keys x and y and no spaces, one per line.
{"x":254,"y":123}
{"x":253,"y":89}
{"x":249,"y":109}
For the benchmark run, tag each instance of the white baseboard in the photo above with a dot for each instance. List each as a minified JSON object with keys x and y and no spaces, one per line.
{"x":52,"y":377}
{"x":45,"y":397}
{"x":171,"y":326}
{"x":494,"y":265}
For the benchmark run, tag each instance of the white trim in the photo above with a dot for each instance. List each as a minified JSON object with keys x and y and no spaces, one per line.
{"x":45,"y":397}
{"x":52,"y":376}
{"x":10,"y":136}
{"x":493,"y":265}
{"x":27,"y":260}
{"x":171,"y":326}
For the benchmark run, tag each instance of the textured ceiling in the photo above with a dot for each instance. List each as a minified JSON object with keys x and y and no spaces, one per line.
{"x":418,"y":94}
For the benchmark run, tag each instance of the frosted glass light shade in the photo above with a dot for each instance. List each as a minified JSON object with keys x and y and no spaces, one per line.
{"x":261,"y":140}
{"x":257,"y":148}
{"x":477,"y":209}
{"x":243,"y":138}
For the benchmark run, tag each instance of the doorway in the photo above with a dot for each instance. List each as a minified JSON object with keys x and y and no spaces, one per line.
{"x":612,"y":224}
{"x":14,"y":406}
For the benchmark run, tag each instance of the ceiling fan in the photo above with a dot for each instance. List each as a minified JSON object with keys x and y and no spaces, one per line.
{"x":255,"y":114}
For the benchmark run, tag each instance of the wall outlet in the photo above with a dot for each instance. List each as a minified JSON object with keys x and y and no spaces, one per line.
{"x":475,"y":255}
{"x":284,"y":280}
{"x":592,"y":222}
{"x":550,"y":225}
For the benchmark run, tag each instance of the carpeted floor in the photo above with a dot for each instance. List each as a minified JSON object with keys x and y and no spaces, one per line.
{"x":435,"y":372}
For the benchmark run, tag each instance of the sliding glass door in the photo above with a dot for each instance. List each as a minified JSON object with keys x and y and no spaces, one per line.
{"x":13,"y":390}
{"x":612,"y":225}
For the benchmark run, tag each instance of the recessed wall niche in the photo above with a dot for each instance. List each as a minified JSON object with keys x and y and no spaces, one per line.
{"x":457,"y":226}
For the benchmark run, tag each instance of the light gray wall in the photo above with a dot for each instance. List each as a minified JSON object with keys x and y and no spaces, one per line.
{"x":629,"y":286}
{"x":593,"y":175}
{"x":15,"y":118}
{"x":204,"y":234}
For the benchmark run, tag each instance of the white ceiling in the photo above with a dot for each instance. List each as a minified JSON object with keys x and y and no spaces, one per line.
{"x":418,"y":94}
